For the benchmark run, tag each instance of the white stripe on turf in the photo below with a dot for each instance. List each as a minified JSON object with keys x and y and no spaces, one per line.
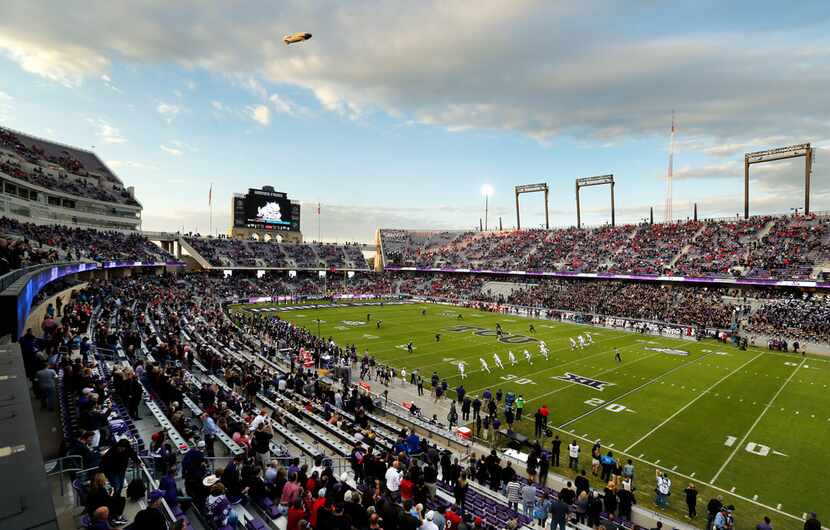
{"x":756,"y":422}
{"x":692,"y":402}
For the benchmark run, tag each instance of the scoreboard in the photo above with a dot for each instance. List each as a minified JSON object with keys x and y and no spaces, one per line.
{"x":266,"y":209}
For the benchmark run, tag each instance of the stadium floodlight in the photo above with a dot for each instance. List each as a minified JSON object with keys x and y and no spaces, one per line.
{"x":487,"y":191}
{"x":780,"y":153}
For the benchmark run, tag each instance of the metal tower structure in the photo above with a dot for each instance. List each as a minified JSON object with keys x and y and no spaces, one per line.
{"x":669,"y":174}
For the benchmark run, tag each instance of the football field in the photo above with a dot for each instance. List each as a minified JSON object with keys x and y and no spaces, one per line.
{"x":750,"y":425}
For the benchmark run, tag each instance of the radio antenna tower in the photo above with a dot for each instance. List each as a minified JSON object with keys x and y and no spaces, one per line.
{"x":668,"y":207}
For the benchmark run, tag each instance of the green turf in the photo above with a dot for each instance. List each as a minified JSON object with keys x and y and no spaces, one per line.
{"x":675,"y":412}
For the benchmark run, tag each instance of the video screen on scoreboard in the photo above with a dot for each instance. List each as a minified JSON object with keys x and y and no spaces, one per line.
{"x":270,"y":210}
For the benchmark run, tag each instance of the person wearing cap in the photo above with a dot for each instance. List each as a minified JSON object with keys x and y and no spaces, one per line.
{"x":151,"y":518}
{"x":722,"y":519}
{"x":318,"y":503}
{"x":812,"y":522}
{"x":428,"y":523}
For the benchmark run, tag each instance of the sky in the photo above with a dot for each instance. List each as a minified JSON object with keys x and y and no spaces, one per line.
{"x":395,"y":114}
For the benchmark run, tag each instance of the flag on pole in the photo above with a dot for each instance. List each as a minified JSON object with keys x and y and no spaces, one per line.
{"x":210,"y":194}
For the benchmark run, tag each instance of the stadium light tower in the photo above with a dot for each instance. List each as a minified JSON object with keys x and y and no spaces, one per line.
{"x":487,"y":191}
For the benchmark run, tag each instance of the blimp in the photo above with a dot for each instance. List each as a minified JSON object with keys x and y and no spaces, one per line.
{"x":296,"y":37}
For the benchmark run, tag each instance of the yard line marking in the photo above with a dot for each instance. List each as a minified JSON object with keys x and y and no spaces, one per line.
{"x":755,"y":497}
{"x":657,"y":461}
{"x":638,"y":388}
{"x":732,"y":490}
{"x":778,"y":507}
{"x":690,"y":403}
{"x":641,"y":456}
{"x":693,"y":474}
{"x":610,"y":446}
{"x":757,"y":421}
{"x":674,"y":468}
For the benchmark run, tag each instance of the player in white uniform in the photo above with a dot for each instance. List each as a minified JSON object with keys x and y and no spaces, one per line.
{"x":513,"y":361}
{"x":461,"y":367}
{"x":543,"y":350}
{"x":590,"y":338}
{"x":484,"y":365}
{"x":529,"y":357}
{"x":581,"y":340}
{"x":497,"y":360}
{"x":573,"y":343}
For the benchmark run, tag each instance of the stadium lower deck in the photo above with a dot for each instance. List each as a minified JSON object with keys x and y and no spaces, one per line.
{"x":706,"y":412}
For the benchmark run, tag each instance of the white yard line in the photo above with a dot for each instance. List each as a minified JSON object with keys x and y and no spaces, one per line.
{"x":692,"y":402}
{"x":637,"y":388}
{"x":756,"y":422}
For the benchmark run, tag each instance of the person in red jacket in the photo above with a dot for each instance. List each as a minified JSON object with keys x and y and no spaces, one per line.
{"x":295,"y":513}
{"x":407,"y":488}
{"x":544,"y":411}
{"x":319,"y":502}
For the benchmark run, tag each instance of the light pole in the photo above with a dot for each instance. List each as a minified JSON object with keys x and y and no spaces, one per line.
{"x":486,"y":190}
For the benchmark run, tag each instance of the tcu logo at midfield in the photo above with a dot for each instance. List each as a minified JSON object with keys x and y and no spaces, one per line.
{"x":506,"y":338}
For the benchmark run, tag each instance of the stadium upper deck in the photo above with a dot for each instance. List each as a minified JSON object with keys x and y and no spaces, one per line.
{"x":792,"y":247}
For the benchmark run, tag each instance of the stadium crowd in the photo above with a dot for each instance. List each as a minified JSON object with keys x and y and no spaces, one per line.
{"x":80,"y":173}
{"x":805,"y":319}
{"x":30,"y":243}
{"x":775,"y":247}
{"x":395,"y":474}
{"x":249,"y":253}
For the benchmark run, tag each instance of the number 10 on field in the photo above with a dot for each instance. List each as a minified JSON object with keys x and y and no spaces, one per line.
{"x":753,"y":447}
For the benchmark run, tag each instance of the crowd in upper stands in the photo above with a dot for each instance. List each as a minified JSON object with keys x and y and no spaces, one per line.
{"x":60,"y":168}
{"x":29,"y":243}
{"x":248,"y":253}
{"x":775,"y":247}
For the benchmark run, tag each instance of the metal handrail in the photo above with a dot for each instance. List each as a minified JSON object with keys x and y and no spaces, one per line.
{"x":59,"y":463}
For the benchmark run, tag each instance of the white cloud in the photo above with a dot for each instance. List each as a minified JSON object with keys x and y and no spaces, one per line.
{"x":106,"y":132}
{"x":173,"y":151}
{"x":191,"y":85}
{"x":177,"y":93}
{"x":169,"y":111}
{"x":132,"y":164}
{"x":259,"y":113}
{"x":536,"y":68}
{"x":105,"y":78}
{"x":51,"y":56}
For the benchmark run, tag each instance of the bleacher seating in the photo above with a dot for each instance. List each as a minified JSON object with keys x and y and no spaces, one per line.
{"x":792,"y":248}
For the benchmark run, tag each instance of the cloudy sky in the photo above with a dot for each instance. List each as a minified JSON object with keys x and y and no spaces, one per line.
{"x":396,"y":113}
